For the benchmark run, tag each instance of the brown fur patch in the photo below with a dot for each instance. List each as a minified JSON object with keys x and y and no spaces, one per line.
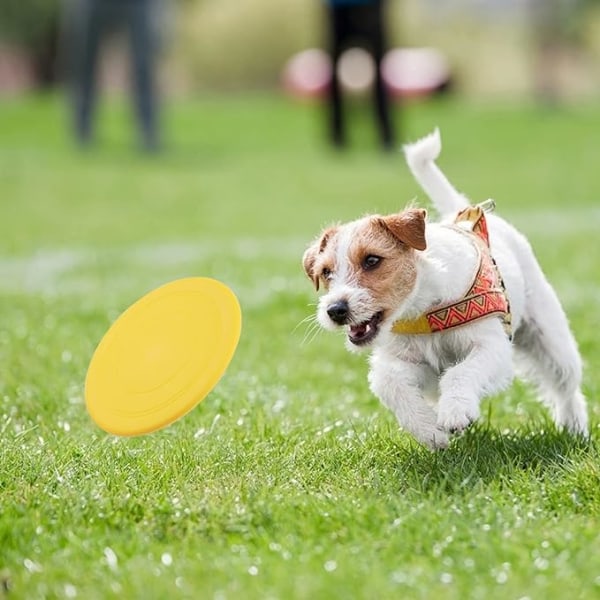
{"x":394,"y":277}
{"x":408,"y":227}
{"x":313,"y":260}
{"x":394,"y":238}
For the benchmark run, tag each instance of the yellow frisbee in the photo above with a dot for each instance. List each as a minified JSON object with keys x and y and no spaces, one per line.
{"x":162,"y":356}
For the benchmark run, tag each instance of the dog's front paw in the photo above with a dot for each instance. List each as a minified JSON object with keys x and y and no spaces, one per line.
{"x":434,"y":438}
{"x":455,"y":414}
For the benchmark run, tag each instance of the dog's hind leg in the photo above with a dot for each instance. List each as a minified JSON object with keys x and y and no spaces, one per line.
{"x":546,"y":354}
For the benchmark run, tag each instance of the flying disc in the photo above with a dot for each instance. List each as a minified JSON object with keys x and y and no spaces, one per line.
{"x":163,"y":356}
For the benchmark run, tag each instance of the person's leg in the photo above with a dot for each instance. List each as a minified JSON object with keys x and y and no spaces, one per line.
{"x":143,"y":50}
{"x":337,"y":35}
{"x":380,"y":94}
{"x":88,"y":26}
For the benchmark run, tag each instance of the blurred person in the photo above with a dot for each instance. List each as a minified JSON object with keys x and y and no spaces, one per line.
{"x":358,"y":23}
{"x":556,"y":25}
{"x":89,"y":22}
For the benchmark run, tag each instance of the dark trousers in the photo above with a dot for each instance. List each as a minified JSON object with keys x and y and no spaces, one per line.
{"x":91,"y":22}
{"x":358,"y":25}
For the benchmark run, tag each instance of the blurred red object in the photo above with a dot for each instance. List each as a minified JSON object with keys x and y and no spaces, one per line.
{"x":407,"y":72}
{"x":411,"y":72}
{"x":307,"y":74}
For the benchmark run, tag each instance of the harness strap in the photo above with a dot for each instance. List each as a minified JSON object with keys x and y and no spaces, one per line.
{"x":485,"y":297}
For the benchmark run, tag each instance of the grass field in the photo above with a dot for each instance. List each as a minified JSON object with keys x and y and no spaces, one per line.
{"x":289,"y":480}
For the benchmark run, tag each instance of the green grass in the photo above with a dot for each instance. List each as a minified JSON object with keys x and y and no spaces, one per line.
{"x":289,"y":480}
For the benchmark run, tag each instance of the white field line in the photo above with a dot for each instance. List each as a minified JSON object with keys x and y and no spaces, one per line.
{"x":555,"y":223}
{"x":83,"y":271}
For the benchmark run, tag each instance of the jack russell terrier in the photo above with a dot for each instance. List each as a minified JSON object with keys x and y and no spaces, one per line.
{"x":449,"y":310}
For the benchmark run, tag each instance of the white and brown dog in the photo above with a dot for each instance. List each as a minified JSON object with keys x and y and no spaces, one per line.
{"x":448,"y":309}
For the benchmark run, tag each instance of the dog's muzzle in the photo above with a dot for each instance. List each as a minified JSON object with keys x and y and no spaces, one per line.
{"x":359,"y":334}
{"x":365,"y":332}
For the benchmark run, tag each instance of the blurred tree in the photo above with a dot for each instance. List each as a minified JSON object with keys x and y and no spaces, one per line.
{"x":33,"y":25}
{"x":236,"y":44}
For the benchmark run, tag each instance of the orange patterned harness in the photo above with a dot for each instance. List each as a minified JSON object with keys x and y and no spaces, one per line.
{"x":484,"y":298}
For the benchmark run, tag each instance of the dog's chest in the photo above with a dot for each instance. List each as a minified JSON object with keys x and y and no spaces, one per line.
{"x":439,"y":351}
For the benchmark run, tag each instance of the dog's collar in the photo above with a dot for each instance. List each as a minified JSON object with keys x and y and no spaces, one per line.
{"x":485,"y":297}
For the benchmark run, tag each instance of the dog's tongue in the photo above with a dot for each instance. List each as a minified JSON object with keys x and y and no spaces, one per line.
{"x":358,"y":331}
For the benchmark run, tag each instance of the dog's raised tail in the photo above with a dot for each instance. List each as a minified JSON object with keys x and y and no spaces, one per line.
{"x":421,"y":156}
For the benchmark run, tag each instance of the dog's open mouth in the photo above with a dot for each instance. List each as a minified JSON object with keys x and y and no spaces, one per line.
{"x":364,"y":332}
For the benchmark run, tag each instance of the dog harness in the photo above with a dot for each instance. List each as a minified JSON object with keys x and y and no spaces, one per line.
{"x":484,"y":298}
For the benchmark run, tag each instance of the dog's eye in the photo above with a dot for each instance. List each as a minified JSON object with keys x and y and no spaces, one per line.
{"x":326,"y":274}
{"x":370,"y":262}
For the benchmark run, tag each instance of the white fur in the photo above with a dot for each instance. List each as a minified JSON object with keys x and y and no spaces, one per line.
{"x":421,"y":157}
{"x":434,"y":383}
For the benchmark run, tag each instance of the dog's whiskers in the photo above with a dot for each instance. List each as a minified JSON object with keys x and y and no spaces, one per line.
{"x":312,"y":330}
{"x":311,"y":334}
{"x":309,"y":319}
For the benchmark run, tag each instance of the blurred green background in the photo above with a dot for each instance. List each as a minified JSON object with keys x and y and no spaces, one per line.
{"x":289,"y":480}
{"x":492,"y":45}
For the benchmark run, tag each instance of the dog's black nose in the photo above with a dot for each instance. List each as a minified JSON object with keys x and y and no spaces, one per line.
{"x":338,"y":312}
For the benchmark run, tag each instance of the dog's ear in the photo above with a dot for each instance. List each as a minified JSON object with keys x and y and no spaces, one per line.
{"x":408,"y":226}
{"x":308,"y":262}
{"x":310,"y":256}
